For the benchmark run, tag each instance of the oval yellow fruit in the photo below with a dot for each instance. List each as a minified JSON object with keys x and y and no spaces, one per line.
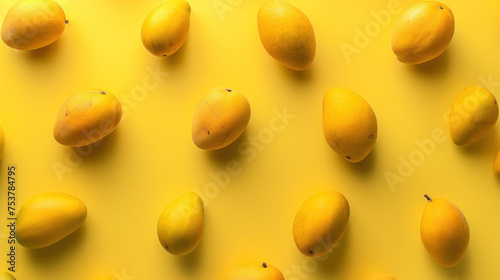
{"x":287,"y":34}
{"x":444,"y":231}
{"x":349,"y":124}
{"x":253,"y":271}
{"x":380,"y":276}
{"x":423,"y":32}
{"x":220,"y":118}
{"x":45,"y":219}
{"x":87,"y":117}
{"x":180,"y":225}
{"x":105,"y":277}
{"x":496,"y":164}
{"x":6,"y":276}
{"x":320,"y":223}
{"x":33,"y":24}
{"x":2,"y":142}
{"x":473,"y":114}
{"x":166,"y":28}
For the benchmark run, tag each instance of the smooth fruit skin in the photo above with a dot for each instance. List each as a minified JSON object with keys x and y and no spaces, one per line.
{"x":33,"y":24}
{"x":287,"y":34}
{"x":220,"y":117}
{"x":380,"y":276}
{"x":45,"y":219}
{"x":2,"y":142}
{"x":180,"y":225}
{"x":6,"y":276}
{"x":105,"y":277}
{"x":87,"y":117}
{"x":349,"y":124}
{"x":320,"y":223}
{"x":423,"y":32}
{"x":496,"y":164}
{"x":253,"y":271}
{"x":473,"y":114}
{"x":166,"y":28}
{"x":444,"y":231}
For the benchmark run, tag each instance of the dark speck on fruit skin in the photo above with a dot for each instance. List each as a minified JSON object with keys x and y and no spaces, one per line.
{"x":208,"y":132}
{"x":310,"y":252}
{"x":347,"y":157}
{"x":103,"y":92}
{"x":441,"y":7}
{"x":228,"y":90}
{"x":264,"y":265}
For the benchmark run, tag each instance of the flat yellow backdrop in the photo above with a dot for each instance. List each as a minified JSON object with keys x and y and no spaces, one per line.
{"x":281,"y":159}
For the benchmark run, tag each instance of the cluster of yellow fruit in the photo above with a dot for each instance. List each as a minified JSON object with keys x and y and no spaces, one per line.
{"x":422,"y":33}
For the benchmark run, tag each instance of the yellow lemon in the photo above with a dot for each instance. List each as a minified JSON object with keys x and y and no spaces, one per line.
{"x":287,"y":34}
{"x":423,"y":32}
{"x":166,"y":28}
{"x":32,"y":24}
{"x":444,"y":231}
{"x":253,"y":271}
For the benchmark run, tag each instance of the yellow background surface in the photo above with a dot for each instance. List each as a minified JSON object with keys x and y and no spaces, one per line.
{"x":150,"y":159}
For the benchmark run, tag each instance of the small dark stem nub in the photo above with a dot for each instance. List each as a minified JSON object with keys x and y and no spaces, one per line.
{"x":264,"y":265}
{"x":428,"y":198}
{"x":441,"y":7}
{"x":66,"y":21}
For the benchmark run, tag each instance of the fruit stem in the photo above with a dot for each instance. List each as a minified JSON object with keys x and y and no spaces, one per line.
{"x":66,"y":21}
{"x":264,"y":265}
{"x":428,"y":198}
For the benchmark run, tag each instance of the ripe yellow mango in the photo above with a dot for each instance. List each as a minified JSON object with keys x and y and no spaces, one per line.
{"x":380,"y":276}
{"x":444,"y":231}
{"x":253,"y":271}
{"x":105,"y":277}
{"x":349,"y":124}
{"x":423,"y":32}
{"x":166,"y":28}
{"x":87,"y":117}
{"x":6,"y":276}
{"x":496,"y":164}
{"x":220,"y":118}
{"x":2,"y":142}
{"x":33,"y":24}
{"x":180,"y":225}
{"x":473,"y":114}
{"x":320,"y":223}
{"x":287,"y":34}
{"x":45,"y":219}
